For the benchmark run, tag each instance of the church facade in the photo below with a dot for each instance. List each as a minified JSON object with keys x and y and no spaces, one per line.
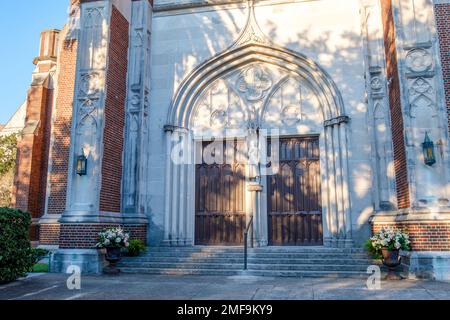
{"x":317,"y":122}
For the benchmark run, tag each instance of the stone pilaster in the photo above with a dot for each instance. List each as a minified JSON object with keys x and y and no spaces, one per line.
{"x":180,"y":196}
{"x":88,"y":114}
{"x":423,"y":102}
{"x":93,"y":200}
{"x":339,"y":207}
{"x":134,"y":200}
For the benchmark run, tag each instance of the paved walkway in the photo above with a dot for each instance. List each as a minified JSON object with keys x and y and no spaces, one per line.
{"x":146,"y":287}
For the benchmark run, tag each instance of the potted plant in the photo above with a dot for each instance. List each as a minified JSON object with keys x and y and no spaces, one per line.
{"x":386,"y":245}
{"x":113,"y":240}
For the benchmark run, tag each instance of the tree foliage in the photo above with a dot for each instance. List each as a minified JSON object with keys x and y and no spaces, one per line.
{"x":7,"y":166}
{"x":8,"y":149}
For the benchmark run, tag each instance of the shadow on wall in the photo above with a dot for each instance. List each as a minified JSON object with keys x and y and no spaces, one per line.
{"x":206,"y":28}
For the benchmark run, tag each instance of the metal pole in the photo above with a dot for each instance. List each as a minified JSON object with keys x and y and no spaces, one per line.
{"x":245,"y":249}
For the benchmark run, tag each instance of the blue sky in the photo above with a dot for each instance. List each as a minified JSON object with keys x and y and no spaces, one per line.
{"x":20,"y":25}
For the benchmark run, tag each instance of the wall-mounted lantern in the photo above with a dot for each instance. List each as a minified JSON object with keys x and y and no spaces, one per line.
{"x":428,"y":151}
{"x":82,"y":164}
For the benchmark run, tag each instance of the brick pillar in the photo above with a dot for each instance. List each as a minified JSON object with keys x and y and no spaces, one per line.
{"x":93,"y":200}
{"x":32,"y":151}
{"x":61,"y":127}
{"x":417,"y":103}
{"x":398,"y":138}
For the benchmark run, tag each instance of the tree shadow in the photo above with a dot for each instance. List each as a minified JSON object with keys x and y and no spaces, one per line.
{"x":205,"y":33}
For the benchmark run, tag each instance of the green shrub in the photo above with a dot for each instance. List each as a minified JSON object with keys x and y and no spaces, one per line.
{"x":38,"y":253}
{"x":16,"y":257}
{"x":136,"y":247}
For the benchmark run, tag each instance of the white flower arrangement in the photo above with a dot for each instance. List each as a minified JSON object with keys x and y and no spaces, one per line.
{"x":113,"y":238}
{"x":390,"y":239}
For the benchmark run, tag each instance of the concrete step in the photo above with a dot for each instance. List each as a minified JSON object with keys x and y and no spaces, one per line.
{"x":277,"y":267}
{"x":196,"y":249}
{"x":337,"y":256}
{"x":183,"y":265}
{"x":251,"y":260}
{"x":181,"y":272}
{"x":307,"y":267}
{"x":185,"y":259}
{"x":218,"y":272}
{"x":211,"y":249}
{"x":256,"y":255}
{"x":309,"y":274}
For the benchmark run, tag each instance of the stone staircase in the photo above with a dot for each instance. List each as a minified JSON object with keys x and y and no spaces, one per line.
{"x":270,"y":262}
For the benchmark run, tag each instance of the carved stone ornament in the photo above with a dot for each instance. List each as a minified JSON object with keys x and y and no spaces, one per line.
{"x":419,"y":60}
{"x":421,"y":92}
{"x":254,"y":83}
{"x":252,"y":32}
{"x":89,"y":92}
{"x":291,"y":114}
{"x":376,"y":84}
{"x":219,"y":118}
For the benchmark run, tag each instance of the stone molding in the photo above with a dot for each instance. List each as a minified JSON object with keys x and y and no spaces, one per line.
{"x":422,"y":215}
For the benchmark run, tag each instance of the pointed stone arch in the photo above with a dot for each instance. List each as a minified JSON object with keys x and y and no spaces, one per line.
{"x":181,"y":109}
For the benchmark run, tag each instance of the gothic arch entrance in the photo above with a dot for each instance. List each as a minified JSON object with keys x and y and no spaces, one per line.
{"x":256,"y":86}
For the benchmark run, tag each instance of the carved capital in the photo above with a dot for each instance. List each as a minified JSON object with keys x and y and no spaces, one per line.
{"x":336,"y":121}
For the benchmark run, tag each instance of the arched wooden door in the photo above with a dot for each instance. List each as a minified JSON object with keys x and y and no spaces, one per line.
{"x":294,"y":195}
{"x":220,"y":198}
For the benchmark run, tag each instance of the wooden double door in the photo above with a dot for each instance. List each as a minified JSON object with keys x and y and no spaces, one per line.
{"x":294,"y":197}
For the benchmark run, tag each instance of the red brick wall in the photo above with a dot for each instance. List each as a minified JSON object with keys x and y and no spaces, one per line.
{"x":424,"y":236}
{"x":85,"y":236}
{"x":113,"y":136}
{"x":30,"y":148}
{"x":61,"y":129}
{"x":442,"y":12}
{"x":400,"y":164}
{"x":30,"y":179}
{"x":49,"y":234}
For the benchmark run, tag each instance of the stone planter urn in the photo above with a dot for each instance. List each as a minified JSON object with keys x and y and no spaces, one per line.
{"x":113,"y":256}
{"x":391,"y":259}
